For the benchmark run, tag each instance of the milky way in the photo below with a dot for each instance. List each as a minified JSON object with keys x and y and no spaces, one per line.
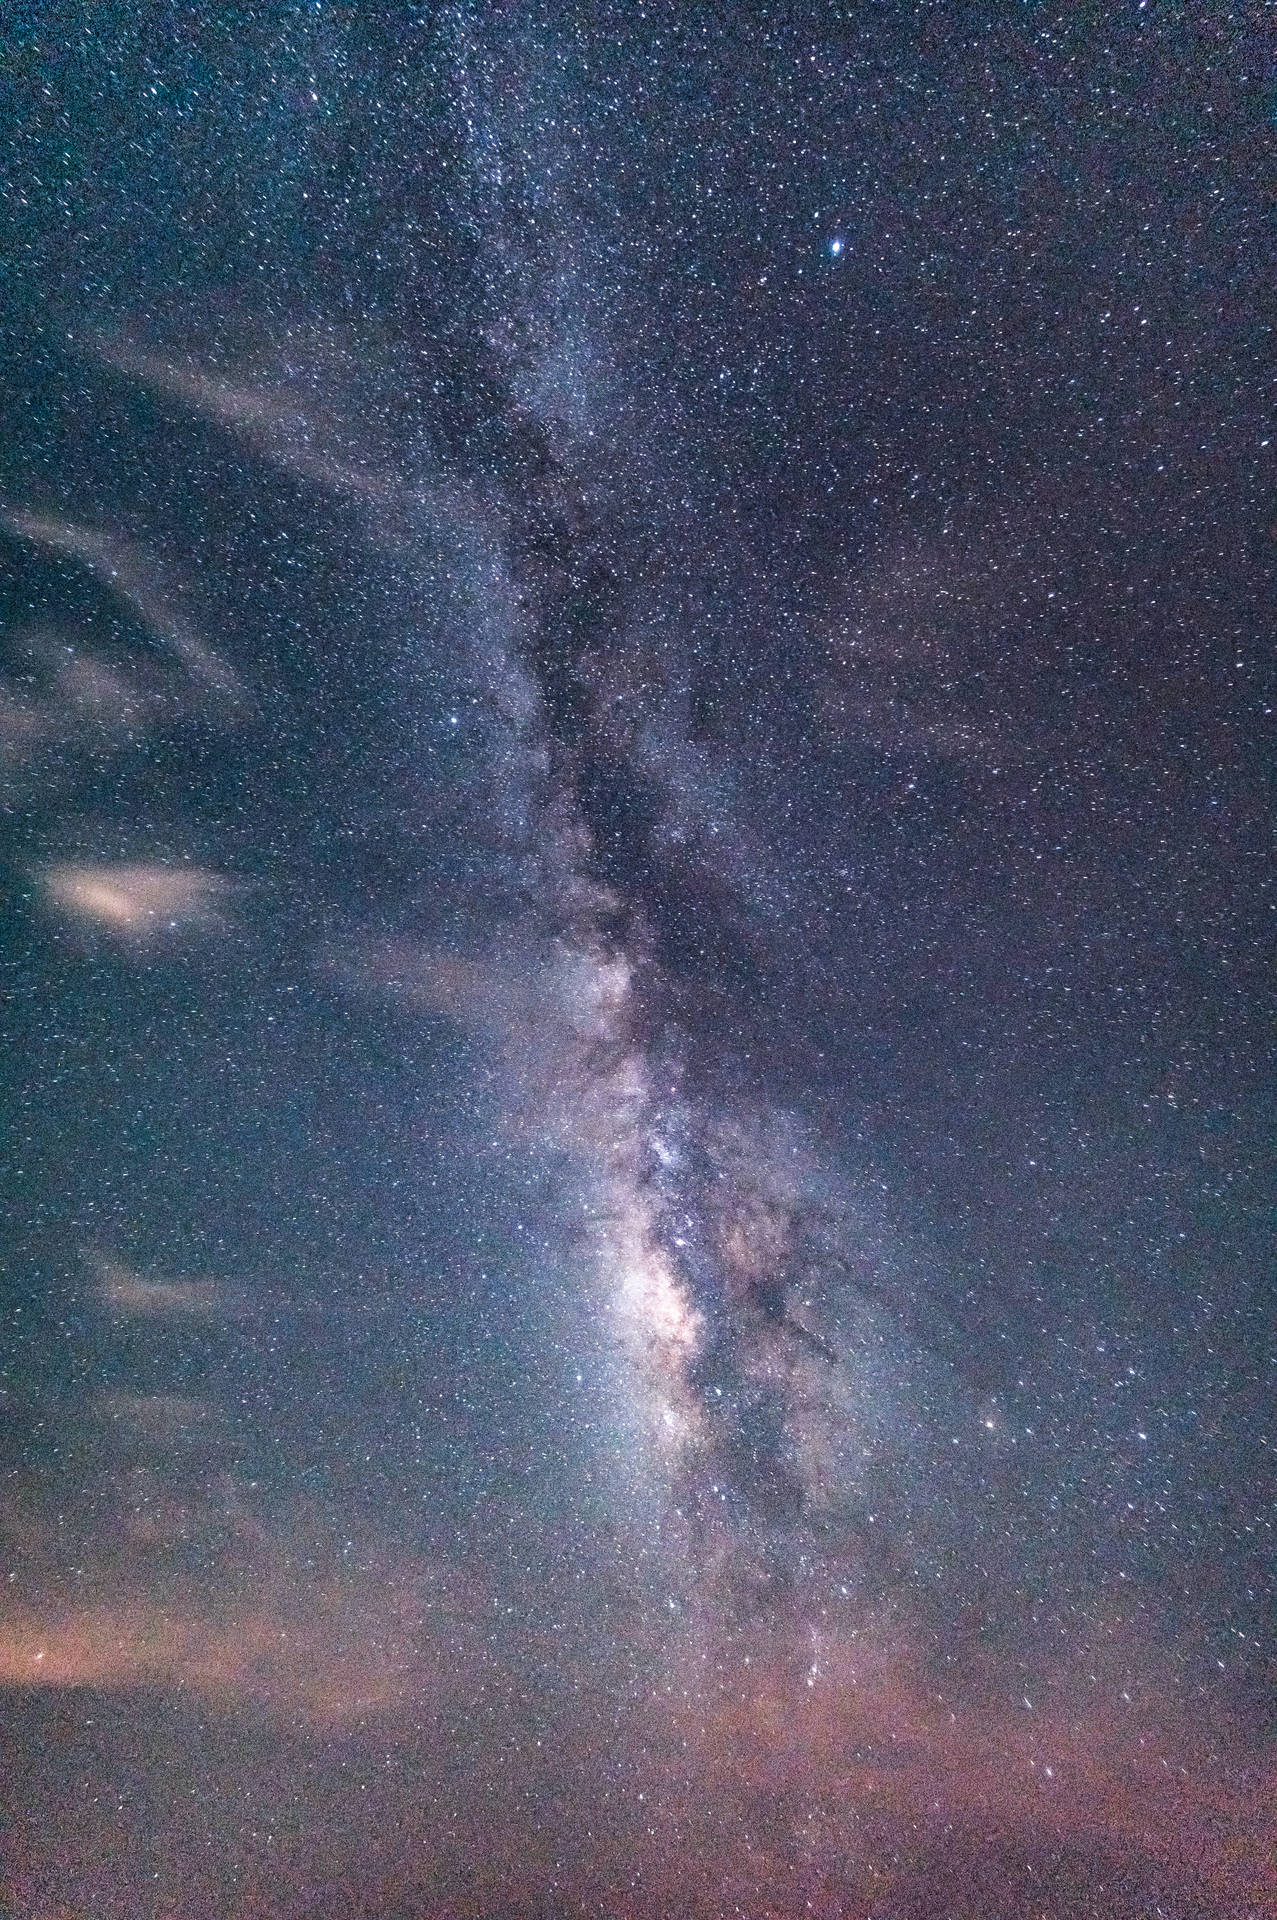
{"x":632,"y":738}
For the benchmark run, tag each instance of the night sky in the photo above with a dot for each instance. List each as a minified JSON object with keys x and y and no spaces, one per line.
{"x":638,"y":952}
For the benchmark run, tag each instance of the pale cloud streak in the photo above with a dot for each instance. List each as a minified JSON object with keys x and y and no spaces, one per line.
{"x":327,"y":1654}
{"x":126,"y":571}
{"x":124,"y":1291}
{"x":139,"y":901}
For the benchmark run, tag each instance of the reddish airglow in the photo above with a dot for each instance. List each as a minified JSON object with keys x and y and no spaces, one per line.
{"x":830,"y":1776}
{"x":882,"y":1763}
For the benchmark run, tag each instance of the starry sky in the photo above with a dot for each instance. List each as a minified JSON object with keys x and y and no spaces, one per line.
{"x":637,"y":943}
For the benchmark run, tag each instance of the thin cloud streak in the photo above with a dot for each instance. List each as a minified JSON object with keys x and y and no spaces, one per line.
{"x":124,"y":569}
{"x":139,"y":901}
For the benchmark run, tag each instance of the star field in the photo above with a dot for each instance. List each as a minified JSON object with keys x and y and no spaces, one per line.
{"x":635,"y":723}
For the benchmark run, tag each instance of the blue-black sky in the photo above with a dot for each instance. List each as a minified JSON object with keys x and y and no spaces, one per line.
{"x":635,"y":752}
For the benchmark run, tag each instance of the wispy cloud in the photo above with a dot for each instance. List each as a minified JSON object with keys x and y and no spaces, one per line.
{"x":329,"y":1653}
{"x":127,"y":571}
{"x":125,"y":1291}
{"x":289,"y":418}
{"x":139,"y":901}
